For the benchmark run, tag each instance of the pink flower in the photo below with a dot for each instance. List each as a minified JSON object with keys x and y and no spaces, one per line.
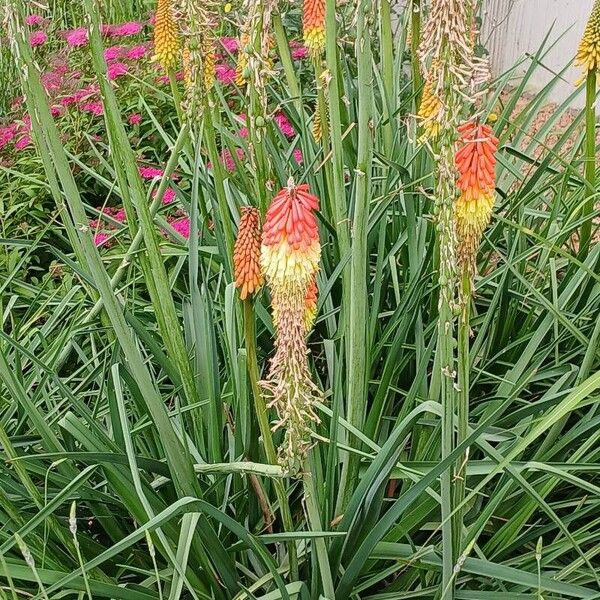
{"x":51,"y":80}
{"x":119,"y":215}
{"x":182,"y":226}
{"x":225,"y":74}
{"x":162,"y":79}
{"x":101,"y":238}
{"x":113,"y":52}
{"x":125,"y":29}
{"x":284,"y":125}
{"x":299,"y":53}
{"x":136,"y":52}
{"x":94,"y":108}
{"x":150,"y":172}
{"x":297,"y":154}
{"x":37,"y":38}
{"x":117,"y":69}
{"x":56,"y":111}
{"x":7,"y":134}
{"x":135,"y":119}
{"x":77,"y":37}
{"x":168,"y":196}
{"x":23,"y":142}
{"x":34,"y":20}
{"x":227,"y":158}
{"x":230,"y":44}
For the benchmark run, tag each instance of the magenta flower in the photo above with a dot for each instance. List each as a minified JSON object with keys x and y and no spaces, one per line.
{"x":230,"y":44}
{"x":117,"y":69}
{"x":284,"y":125}
{"x":225,"y":74}
{"x":77,"y":37}
{"x":94,"y":108}
{"x":299,"y":53}
{"x":101,"y":238}
{"x":135,"y":119}
{"x":23,"y":142}
{"x":113,"y":52}
{"x":37,"y":38}
{"x":56,"y":111}
{"x":227,"y":159}
{"x":136,"y":52}
{"x":150,"y":172}
{"x":297,"y":154}
{"x":182,"y":226}
{"x":125,"y":29}
{"x":7,"y":134}
{"x":34,"y":20}
{"x":168,"y":196}
{"x":51,"y":80}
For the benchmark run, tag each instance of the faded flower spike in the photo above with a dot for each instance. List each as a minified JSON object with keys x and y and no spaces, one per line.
{"x":166,"y":36}
{"x":290,"y":259}
{"x":588,"y":55}
{"x":429,"y":112}
{"x":476,"y":165}
{"x":246,"y":253}
{"x":314,"y":26}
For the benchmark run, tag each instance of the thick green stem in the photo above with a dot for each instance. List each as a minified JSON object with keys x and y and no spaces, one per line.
{"x":590,"y":163}
{"x":176,"y":95}
{"x":415,"y":41}
{"x":357,"y":346}
{"x":445,"y":354}
{"x":314,"y":521}
{"x":386,"y":53}
{"x":265,"y":431}
{"x":287,"y":63}
{"x":460,"y":474}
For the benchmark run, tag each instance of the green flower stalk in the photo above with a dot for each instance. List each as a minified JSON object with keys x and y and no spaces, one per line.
{"x":588,"y":57}
{"x":453,"y":75}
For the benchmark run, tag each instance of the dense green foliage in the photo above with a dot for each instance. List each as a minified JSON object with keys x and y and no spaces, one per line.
{"x":134,"y":471}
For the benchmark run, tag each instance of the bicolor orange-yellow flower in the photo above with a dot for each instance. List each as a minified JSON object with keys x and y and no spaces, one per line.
{"x":246,"y":253}
{"x":429,"y":111}
{"x":166,"y":36}
{"x":314,"y":26}
{"x":588,"y":54}
{"x":476,"y":166}
{"x":290,"y":256}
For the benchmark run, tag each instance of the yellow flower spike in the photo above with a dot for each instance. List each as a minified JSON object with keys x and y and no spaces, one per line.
{"x":588,"y":54}
{"x":429,"y":111}
{"x":166,"y":36}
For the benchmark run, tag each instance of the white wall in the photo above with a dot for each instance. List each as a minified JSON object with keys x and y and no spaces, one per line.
{"x":512,"y":28}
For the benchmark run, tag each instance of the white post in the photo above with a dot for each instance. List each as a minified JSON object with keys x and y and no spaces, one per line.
{"x":513,"y":28}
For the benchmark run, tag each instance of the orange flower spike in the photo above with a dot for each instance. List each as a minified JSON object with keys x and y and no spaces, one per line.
{"x":290,"y":255}
{"x":314,"y":26}
{"x":166,"y":36}
{"x":246,"y":253}
{"x":290,"y":249}
{"x":476,"y":165}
